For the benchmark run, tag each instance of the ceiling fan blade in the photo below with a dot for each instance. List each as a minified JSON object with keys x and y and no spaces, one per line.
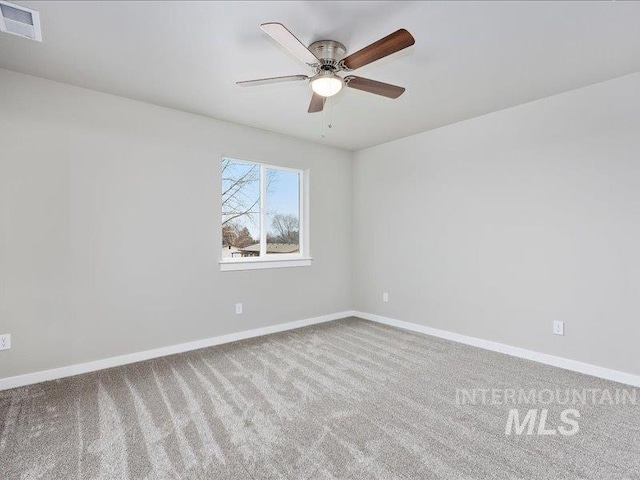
{"x":393,"y":43}
{"x":288,"y":40}
{"x":373,"y":86}
{"x":317,"y":103}
{"x":266,"y":81}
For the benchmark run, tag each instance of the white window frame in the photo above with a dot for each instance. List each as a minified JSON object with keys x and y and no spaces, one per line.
{"x":280,"y":260}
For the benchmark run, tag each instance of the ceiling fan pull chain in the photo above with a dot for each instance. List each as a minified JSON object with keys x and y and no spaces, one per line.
{"x":323,"y":128}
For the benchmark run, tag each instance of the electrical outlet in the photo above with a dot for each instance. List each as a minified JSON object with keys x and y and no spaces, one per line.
{"x":385,"y":297}
{"x":558,"y":327}
{"x":5,"y":341}
{"x":238,"y":308}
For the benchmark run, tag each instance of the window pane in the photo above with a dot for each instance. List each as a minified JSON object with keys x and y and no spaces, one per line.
{"x":283,"y":211}
{"x":240,"y":209}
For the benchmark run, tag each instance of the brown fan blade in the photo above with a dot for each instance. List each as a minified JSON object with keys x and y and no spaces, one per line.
{"x":386,"y":46}
{"x":317,"y":103}
{"x":266,"y":81}
{"x":288,"y":40}
{"x":373,"y":86}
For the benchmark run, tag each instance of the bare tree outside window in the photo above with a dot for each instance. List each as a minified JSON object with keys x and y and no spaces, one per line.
{"x":285,"y":229}
{"x":241,"y":214}
{"x":240,"y":190}
{"x":235,"y":235}
{"x":240,"y":208}
{"x":283,"y":212}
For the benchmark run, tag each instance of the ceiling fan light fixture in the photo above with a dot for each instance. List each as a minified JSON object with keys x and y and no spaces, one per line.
{"x":326,"y":84}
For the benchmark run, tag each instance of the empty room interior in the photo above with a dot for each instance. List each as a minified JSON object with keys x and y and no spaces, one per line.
{"x":247,"y":240}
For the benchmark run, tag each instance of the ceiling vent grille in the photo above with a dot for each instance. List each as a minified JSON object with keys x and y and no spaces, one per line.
{"x":20,"y":21}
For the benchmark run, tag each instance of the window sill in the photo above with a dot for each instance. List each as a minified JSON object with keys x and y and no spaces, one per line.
{"x":260,"y":263}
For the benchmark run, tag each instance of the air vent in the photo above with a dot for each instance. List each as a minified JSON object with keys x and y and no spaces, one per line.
{"x":20,"y":21}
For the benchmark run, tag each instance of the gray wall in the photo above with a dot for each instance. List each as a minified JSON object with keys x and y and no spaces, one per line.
{"x":497,"y":226}
{"x":109,"y":227}
{"x":493,"y":227}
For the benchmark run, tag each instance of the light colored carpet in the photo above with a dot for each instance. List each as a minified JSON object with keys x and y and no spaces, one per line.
{"x":348,"y":399}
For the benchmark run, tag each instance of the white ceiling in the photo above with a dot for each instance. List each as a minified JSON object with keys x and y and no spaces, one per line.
{"x":470,"y":58}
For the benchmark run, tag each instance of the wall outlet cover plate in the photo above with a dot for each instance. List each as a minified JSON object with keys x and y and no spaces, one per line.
{"x":558,"y":327}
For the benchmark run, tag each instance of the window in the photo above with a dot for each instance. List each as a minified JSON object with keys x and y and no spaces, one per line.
{"x":263,"y":221}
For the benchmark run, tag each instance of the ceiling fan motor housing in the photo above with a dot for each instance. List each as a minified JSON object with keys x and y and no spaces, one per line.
{"x":329,"y":52}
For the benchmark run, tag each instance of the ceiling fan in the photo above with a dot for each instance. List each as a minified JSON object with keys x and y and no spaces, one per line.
{"x":327,"y":58}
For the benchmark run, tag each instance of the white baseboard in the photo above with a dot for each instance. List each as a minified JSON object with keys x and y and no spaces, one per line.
{"x":588,"y":369}
{"x":62,"y":372}
{"x":57,"y":373}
